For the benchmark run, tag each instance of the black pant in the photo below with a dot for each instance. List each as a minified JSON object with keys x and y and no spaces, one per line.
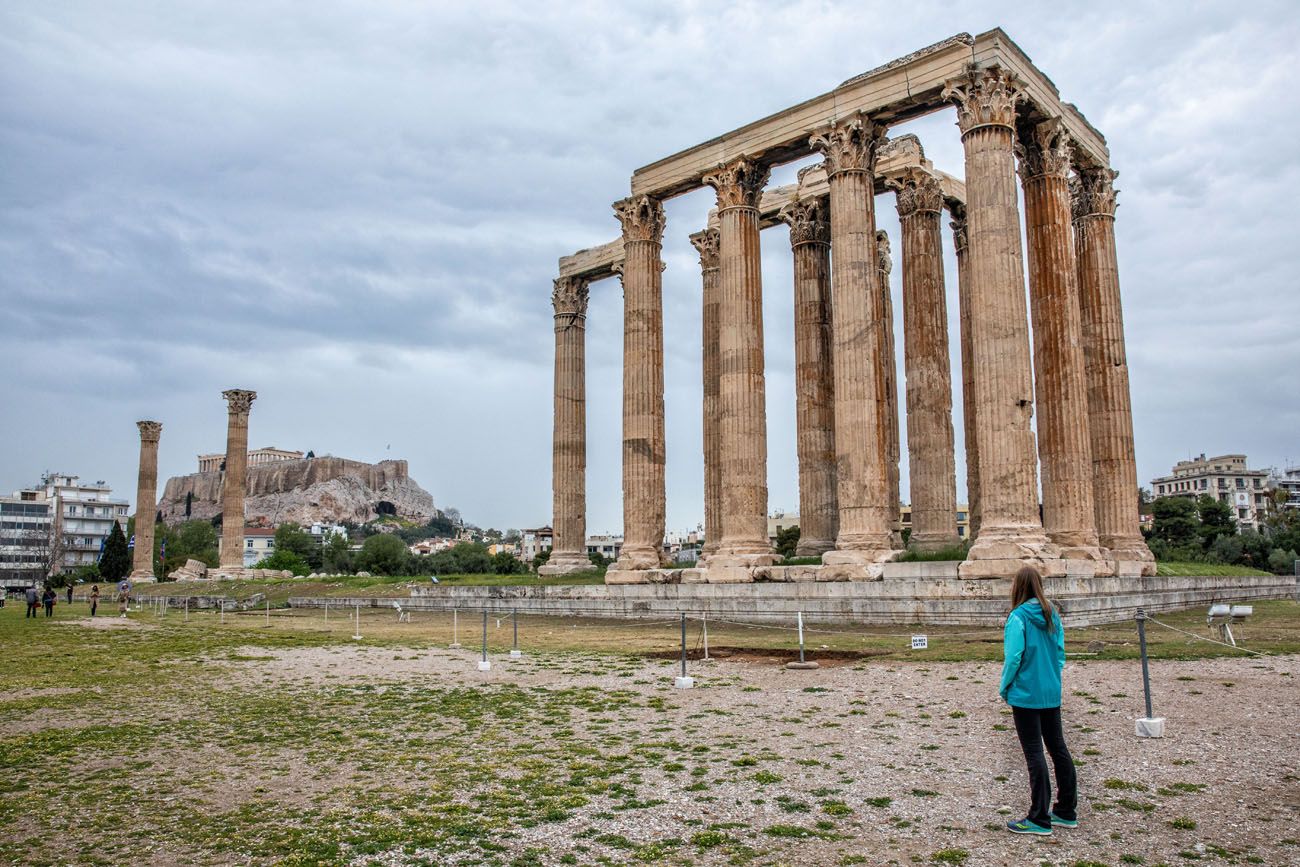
{"x":1036,"y":726}
{"x":93,"y":606}
{"x":49,"y":609}
{"x":31,"y":609}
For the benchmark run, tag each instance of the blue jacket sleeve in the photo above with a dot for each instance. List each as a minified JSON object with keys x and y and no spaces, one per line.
{"x":1013,"y":649}
{"x":1060,"y":645}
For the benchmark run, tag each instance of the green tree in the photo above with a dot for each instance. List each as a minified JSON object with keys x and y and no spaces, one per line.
{"x":787,"y":540}
{"x":293,"y":538}
{"x":1217,"y":519}
{"x":115,"y":562}
{"x":1175,"y":521}
{"x":1282,"y":562}
{"x":540,"y":559}
{"x":383,"y":554}
{"x":505,"y":563}
{"x":192,"y":540}
{"x":598,"y":560}
{"x":284,"y":559}
{"x":335,"y":556}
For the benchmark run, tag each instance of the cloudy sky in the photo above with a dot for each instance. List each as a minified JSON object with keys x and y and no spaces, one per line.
{"x":356,"y":208}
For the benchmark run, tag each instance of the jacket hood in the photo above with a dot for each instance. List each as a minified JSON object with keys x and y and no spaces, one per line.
{"x":1033,"y":612}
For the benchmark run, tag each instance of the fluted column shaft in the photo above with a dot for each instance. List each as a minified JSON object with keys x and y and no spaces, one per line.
{"x":146,"y":501}
{"x":815,"y":375}
{"x":931,"y":462}
{"x":861,"y":435}
{"x":1010,"y":529}
{"x":644,"y":495}
{"x":569,"y":445}
{"x":967,"y":373}
{"x":1106,"y":364}
{"x":888,"y":375}
{"x":741,"y":383}
{"x":706,"y":243}
{"x":235,"y":481}
{"x":1063,"y":425}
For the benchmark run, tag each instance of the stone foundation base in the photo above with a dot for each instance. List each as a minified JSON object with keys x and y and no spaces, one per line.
{"x":143,"y":578}
{"x":565,"y":564}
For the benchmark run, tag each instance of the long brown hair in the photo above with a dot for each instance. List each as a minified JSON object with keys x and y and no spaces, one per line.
{"x":1028,"y":584}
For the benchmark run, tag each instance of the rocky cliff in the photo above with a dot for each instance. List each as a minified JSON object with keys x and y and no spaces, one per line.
{"x":323,"y":489}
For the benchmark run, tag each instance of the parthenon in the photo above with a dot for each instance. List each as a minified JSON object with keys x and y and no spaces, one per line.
{"x":1073,"y":370}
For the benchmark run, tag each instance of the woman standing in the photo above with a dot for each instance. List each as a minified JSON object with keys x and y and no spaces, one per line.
{"x":1034,"y":649}
{"x":48,"y":598}
{"x":94,"y":599}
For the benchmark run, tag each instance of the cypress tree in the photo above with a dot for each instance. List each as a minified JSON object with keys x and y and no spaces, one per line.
{"x":116,"y":562}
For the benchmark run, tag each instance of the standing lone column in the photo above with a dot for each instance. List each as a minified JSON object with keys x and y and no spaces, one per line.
{"x":741,"y":385}
{"x":931,"y":462}
{"x":644,"y":494}
{"x":1011,"y":533}
{"x":861,"y":437}
{"x":888,"y":374}
{"x":239,"y":402}
{"x":1109,"y":407}
{"x":706,"y":243}
{"x":569,"y":452}
{"x":959,"y":238}
{"x":814,"y":372}
{"x":1063,"y":426}
{"x":146,"y":502}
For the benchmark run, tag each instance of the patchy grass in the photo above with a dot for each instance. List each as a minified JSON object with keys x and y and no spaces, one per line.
{"x":1174,"y":569}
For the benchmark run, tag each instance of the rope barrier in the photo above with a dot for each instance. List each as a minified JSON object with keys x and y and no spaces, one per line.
{"x":1203,"y":638}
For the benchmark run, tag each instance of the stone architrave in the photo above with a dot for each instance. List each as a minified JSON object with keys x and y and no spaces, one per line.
{"x":239,"y":402}
{"x":569,"y":451}
{"x":930,"y":449}
{"x":706,"y":243}
{"x":741,"y":382}
{"x":644,"y":494}
{"x":809,"y":222}
{"x":1064,"y":449}
{"x":958,"y":224}
{"x":1011,"y":533}
{"x":1106,"y":364}
{"x":863,"y":544}
{"x":888,"y":374}
{"x":146,"y":502}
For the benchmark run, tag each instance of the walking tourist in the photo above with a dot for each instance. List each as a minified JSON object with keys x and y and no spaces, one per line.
{"x":69,"y":592}
{"x":32,"y":601}
{"x":1034,"y":650}
{"x":123,"y":597}
{"x":48,"y":597}
{"x":94,"y":598}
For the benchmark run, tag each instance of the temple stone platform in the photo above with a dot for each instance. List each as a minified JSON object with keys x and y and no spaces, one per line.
{"x":930,"y":595}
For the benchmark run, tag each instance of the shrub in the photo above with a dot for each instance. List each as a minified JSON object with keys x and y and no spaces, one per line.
{"x":283,"y":559}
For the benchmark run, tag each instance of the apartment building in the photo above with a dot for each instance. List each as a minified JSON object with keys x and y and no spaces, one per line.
{"x":1224,"y":477}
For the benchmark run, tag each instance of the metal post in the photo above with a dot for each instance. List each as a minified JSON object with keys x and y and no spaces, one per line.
{"x":357,"y":635}
{"x":268,"y":612}
{"x":483,"y":664}
{"x":706,"y":635}
{"x":187,"y":609}
{"x":223,"y":611}
{"x":683,"y":644}
{"x":515,"y":652}
{"x":327,"y":610}
{"x":455,"y":628}
{"x":1146,"y":674}
{"x":801,"y":659}
{"x":803,"y":664}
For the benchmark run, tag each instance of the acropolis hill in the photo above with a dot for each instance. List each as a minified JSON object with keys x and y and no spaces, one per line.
{"x":305,"y":490}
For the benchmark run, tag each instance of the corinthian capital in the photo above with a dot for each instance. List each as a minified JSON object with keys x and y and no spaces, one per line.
{"x":1092,"y":192}
{"x":707,"y":243}
{"x":1047,"y":151}
{"x":739,"y":183}
{"x":569,"y":297}
{"x":239,"y":400}
{"x":958,"y":225}
{"x":849,"y":145}
{"x":642,"y":218}
{"x":883,"y":260}
{"x":918,"y":191}
{"x":809,"y":221}
{"x":150,"y":431}
{"x":984,"y":97}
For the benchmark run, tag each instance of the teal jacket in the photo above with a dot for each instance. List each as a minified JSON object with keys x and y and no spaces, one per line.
{"x":1031,"y":674}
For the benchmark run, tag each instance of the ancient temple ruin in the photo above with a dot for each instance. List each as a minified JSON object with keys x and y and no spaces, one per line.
{"x":1013,"y":126}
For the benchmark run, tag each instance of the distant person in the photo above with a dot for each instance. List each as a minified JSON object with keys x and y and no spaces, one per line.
{"x":1034,"y":651}
{"x":49,"y":597}
{"x":94,"y":599}
{"x":69,"y":593}
{"x":33,"y":600}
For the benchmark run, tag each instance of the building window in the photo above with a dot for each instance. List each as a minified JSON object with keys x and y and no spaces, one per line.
{"x":248,"y":543}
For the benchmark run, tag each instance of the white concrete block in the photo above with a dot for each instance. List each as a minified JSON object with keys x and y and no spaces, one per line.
{"x":684,"y":682}
{"x":516,"y":654}
{"x":484,"y":665}
{"x":1150,"y":728}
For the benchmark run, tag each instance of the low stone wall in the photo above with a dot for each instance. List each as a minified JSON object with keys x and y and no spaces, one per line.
{"x":930,"y":600}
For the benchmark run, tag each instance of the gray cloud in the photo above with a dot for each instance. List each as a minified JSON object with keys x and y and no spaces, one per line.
{"x":357,"y":212}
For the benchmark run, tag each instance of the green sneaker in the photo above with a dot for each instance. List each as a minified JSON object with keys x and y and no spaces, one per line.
{"x":1024,"y":826}
{"x":1057,"y":821}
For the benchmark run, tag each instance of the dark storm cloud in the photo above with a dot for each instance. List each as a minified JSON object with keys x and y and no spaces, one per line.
{"x":357,"y":210}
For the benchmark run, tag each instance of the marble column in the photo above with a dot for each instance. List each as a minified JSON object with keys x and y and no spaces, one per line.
{"x":706,"y":243}
{"x":1064,"y":450}
{"x":569,"y":445}
{"x":861,"y":436}
{"x":644,"y":494}
{"x":146,"y":502}
{"x":959,"y":236}
{"x":931,"y":461}
{"x":810,"y":239}
{"x":1109,"y":408}
{"x":235,"y":479}
{"x":888,"y":373}
{"x":1011,"y":533}
{"x":741,"y":381}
